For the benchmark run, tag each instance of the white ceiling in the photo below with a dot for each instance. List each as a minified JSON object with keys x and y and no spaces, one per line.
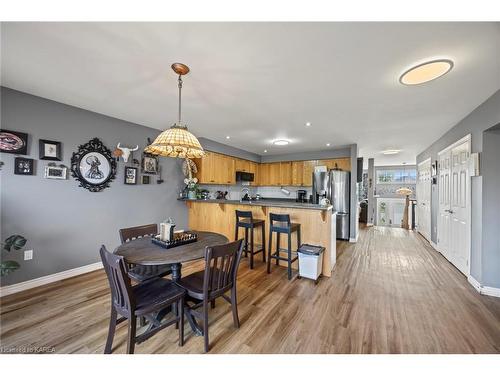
{"x":261,"y":81}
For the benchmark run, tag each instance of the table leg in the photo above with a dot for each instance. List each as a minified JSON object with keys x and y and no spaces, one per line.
{"x":176,"y":275}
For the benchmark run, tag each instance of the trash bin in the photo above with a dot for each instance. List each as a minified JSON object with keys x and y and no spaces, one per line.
{"x":310,"y":261}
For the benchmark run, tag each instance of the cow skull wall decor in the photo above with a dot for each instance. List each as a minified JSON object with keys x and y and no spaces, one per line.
{"x":126,"y":151}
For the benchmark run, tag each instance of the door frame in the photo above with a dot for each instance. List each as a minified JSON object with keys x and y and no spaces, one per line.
{"x":467,"y":138}
{"x":428,"y":160}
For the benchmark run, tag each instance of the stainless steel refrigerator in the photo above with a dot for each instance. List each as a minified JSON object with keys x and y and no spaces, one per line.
{"x":335,"y":185}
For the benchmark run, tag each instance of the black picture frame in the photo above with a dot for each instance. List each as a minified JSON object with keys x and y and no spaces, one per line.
{"x":149,"y":164}
{"x":146,"y":180}
{"x":24,"y":166}
{"x":127,"y":177}
{"x":93,"y":166}
{"x":12,"y":142}
{"x":43,"y":152}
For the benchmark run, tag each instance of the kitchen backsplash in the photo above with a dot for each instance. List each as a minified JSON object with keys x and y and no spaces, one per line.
{"x":264,"y":191}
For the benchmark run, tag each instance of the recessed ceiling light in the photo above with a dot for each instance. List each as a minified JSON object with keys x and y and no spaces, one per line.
{"x":265,"y":150}
{"x":308,"y":124}
{"x":227,"y":137}
{"x":281,"y":142}
{"x":391,"y":152}
{"x":426,"y":72}
{"x":328,"y":144}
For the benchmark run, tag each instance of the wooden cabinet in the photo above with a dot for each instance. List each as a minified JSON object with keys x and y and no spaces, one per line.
{"x":307,"y":172}
{"x":215,"y":169}
{"x":220,"y":169}
{"x":285,"y":173}
{"x":297,"y":173}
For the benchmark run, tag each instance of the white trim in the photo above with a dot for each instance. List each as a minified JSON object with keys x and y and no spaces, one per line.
{"x":435,"y":246}
{"x":484,"y":290}
{"x":490,"y":291}
{"x":464,"y":139}
{"x":476,"y":284}
{"x":19,"y":287}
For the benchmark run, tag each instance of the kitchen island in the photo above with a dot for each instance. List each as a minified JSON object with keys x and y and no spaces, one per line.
{"x":317,"y":222}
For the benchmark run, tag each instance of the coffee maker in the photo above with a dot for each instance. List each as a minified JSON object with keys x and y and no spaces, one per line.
{"x":301,"y":196}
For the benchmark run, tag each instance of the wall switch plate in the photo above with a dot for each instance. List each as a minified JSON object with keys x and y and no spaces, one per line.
{"x":28,"y":254}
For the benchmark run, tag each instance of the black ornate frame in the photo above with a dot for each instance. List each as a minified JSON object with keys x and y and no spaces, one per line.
{"x":94,"y":145}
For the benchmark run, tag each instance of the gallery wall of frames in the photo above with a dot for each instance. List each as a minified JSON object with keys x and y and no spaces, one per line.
{"x":93,"y":164}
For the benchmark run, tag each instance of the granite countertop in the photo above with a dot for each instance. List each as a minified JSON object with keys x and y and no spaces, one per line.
{"x":265,"y":202}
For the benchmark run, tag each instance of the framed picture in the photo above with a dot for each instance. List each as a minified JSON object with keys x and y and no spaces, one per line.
{"x":55,"y":173}
{"x":130,"y":176}
{"x":149,"y":164}
{"x":49,"y":150}
{"x":93,"y":166}
{"x":24,"y":166}
{"x":13,"y":142}
{"x":146,"y":180}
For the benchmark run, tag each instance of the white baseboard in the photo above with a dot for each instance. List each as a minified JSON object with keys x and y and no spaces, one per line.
{"x":476,"y":284}
{"x":490,"y":291}
{"x":485,"y":290}
{"x":25,"y":285}
{"x":435,"y":246}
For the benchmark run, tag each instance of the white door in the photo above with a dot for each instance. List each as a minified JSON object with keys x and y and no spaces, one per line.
{"x":454,"y":204}
{"x":443,"y":237}
{"x":424,"y":199}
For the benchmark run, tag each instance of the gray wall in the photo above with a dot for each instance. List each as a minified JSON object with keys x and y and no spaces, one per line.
{"x":490,"y":163}
{"x":65,"y":224}
{"x":221,"y":148}
{"x":340,"y":152}
{"x":479,"y":120}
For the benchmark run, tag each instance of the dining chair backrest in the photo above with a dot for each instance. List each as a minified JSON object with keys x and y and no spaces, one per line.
{"x":221,"y":266}
{"x":129,"y":234}
{"x":121,"y":290}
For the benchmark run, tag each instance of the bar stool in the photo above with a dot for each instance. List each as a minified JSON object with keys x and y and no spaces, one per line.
{"x":281,"y":224}
{"x":244,"y":219}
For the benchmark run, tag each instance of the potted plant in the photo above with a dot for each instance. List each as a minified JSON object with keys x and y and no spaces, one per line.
{"x":15,"y":242}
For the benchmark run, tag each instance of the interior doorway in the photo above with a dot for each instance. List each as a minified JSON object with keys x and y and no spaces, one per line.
{"x":453,"y":225}
{"x":424,"y":199}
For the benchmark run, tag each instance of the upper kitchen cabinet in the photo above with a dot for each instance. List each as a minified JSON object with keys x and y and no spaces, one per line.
{"x":242,"y":165}
{"x":297,"y":173}
{"x":285,"y":173}
{"x":216,"y":169}
{"x":340,"y":163}
{"x":307,"y":172}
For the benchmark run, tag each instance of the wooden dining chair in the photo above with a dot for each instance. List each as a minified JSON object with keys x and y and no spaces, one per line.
{"x":219,"y":277}
{"x":142,"y":300}
{"x":138,"y":272}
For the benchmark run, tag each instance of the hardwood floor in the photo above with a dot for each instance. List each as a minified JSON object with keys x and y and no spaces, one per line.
{"x":390,"y":293}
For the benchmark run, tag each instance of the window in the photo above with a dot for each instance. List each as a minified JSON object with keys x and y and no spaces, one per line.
{"x":396,"y":176}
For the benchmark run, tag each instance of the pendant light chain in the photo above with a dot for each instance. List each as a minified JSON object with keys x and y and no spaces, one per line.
{"x":180,"y":100}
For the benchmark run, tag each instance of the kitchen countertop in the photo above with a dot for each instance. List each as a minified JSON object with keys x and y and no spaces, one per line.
{"x":290,"y":203}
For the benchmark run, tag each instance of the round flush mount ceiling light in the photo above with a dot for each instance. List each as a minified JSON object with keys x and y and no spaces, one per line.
{"x":281,"y":142}
{"x":426,"y":72}
{"x":391,"y":152}
{"x":308,"y":124}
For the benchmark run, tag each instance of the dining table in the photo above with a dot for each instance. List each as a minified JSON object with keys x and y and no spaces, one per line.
{"x":145,"y":252}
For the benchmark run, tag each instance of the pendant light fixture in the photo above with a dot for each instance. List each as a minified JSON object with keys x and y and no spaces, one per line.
{"x":177,"y":142}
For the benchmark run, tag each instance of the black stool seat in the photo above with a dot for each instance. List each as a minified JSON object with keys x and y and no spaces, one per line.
{"x":285,"y":228}
{"x":142,"y":273}
{"x":250,"y":223}
{"x":281,"y":224}
{"x":244,"y":219}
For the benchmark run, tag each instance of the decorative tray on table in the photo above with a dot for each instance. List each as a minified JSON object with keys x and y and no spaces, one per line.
{"x":180,"y":239}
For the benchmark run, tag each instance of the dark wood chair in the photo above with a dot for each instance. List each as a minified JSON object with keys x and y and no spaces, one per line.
{"x":219,"y":276}
{"x":142,"y":300}
{"x":281,"y":224}
{"x":245,"y":220}
{"x":137,"y":272}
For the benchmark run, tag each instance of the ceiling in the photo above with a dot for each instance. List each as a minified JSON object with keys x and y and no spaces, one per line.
{"x":257,"y":82}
